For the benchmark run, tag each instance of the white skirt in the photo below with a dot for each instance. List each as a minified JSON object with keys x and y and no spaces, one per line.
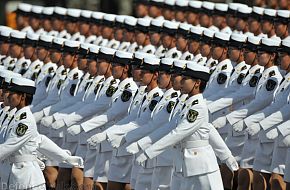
{"x":263,"y":157}
{"x":210,"y":181}
{"x":102,"y":166}
{"x":249,"y":150}
{"x":176,"y":181}
{"x":235,"y":143}
{"x":89,"y":162}
{"x":161,"y":178}
{"x":134,"y":172}
{"x":144,"y":179}
{"x":287,"y":167}
{"x":279,"y":158}
{"x":72,"y":147}
{"x":120,"y":169}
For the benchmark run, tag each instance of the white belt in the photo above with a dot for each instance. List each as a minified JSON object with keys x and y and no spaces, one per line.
{"x":22,"y":158}
{"x":194,"y":144}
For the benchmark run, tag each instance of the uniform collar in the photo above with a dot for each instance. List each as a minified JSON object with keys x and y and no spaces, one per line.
{"x":196,"y":97}
{"x":124,"y":82}
{"x":153,"y":91}
{"x":19,"y":112}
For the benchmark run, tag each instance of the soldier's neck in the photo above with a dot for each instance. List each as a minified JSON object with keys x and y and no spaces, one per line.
{"x":152,"y":85}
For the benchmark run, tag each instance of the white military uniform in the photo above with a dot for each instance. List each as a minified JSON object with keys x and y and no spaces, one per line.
{"x":21,"y":65}
{"x":113,"y":44}
{"x":33,"y":70}
{"x":187,"y":56}
{"x":173,"y":53}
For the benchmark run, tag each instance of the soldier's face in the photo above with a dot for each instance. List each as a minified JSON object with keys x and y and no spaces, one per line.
{"x":176,"y":81}
{"x":266,"y":26}
{"x":217,"y":52}
{"x":218,"y":20}
{"x":14,"y":99}
{"x":119,"y":34}
{"x":163,"y":79}
{"x":92,"y":66}
{"x":280,"y":29}
{"x":166,"y":40}
{"x":193,"y":46}
{"x":15,"y":50}
{"x":42,"y":53}
{"x":231,"y":21}
{"x":179,"y":16}
{"x":82,"y":63}
{"x":254,"y":25}
{"x":181,"y":43}
{"x":234,"y":54}
{"x":146,"y":77}
{"x":168,"y":14}
{"x":249,"y":56}
{"x":34,"y":23}
{"x":264,"y":58}
{"x":153,"y":11}
{"x":107,"y":32}
{"x":47,"y":26}
{"x":187,"y":85}
{"x":241,"y":24}
{"x":285,"y":61}
{"x":155,"y":38}
{"x":191,"y":17}
{"x":67,"y":60}
{"x":4,"y":48}
{"x":128,"y":36}
{"x":28,"y":51}
{"x":140,"y":37}
{"x":70,"y":27}
{"x":117,"y":70}
{"x":5,"y":95}
{"x":136,"y":72}
{"x":204,"y":49}
{"x":84,"y":28}
{"x":204,"y":20}
{"x":57,"y":24}
{"x":141,"y":10}
{"x":55,"y":56}
{"x":103,"y":67}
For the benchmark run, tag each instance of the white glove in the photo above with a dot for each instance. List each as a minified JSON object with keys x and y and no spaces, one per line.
{"x":58,"y":124}
{"x":239,"y":126}
{"x":141,"y":159}
{"x":75,"y":161}
{"x":117,"y":141}
{"x":74,"y":130}
{"x":96,"y":139}
{"x":41,"y":164}
{"x":232,"y":164}
{"x":219,"y":122}
{"x":272,"y":134}
{"x":46,"y":121}
{"x":254,"y":129}
{"x":133,"y":148}
{"x":286,"y":140}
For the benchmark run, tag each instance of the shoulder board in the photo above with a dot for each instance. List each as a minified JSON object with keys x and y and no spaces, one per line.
{"x":127,"y":86}
{"x":194,"y":102}
{"x":224,"y":67}
{"x":51,"y":70}
{"x":272,"y":73}
{"x":174,"y":94}
{"x":257,"y":71}
{"x":23,"y":116}
{"x":76,"y":76}
{"x":155,"y":95}
{"x":113,"y":81}
{"x":244,"y":67}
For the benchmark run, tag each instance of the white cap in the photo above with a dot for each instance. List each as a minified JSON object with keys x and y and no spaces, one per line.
{"x":36,"y":9}
{"x":85,"y":46}
{"x":152,"y":60}
{"x":98,"y":15}
{"x":235,"y":6}
{"x":192,"y":65}
{"x":46,"y":38}
{"x":144,"y":22}
{"x":132,"y":21}
{"x":86,"y":13}
{"x":185,"y":26}
{"x":4,"y":28}
{"x":167,"y":61}
{"x":60,"y":10}
{"x":157,"y":22}
{"x":23,"y":81}
{"x":221,"y":7}
{"x":171,"y":24}
{"x":245,"y":10}
{"x":270,"y":12}
{"x":110,"y":17}
{"x":195,"y":4}
{"x":283,"y":13}
{"x":208,"y":5}
{"x":24,"y":7}
{"x":197,"y":30}
{"x":158,"y":1}
{"x":59,"y":41}
{"x":11,"y":75}
{"x":180,"y":63}
{"x":258,"y":10}
{"x":169,"y":2}
{"x":47,"y":10}
{"x":286,"y":43}
{"x":181,"y":3}
{"x":254,"y":40}
{"x":32,"y":36}
{"x":222,"y":36}
{"x":94,"y":48}
{"x":239,"y":37}
{"x":73,"y":12}
{"x":270,"y":42}
{"x":6,"y":33}
{"x":5,"y":73}
{"x":208,"y":32}
{"x":141,"y":55}
{"x":72,"y":44}
{"x":120,"y":18}
{"x":108,"y":51}
{"x":17,"y":34}
{"x":123,"y":54}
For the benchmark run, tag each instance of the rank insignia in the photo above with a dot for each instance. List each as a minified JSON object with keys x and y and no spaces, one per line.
{"x":23,"y":116}
{"x":155,"y":95}
{"x":126,"y":95}
{"x":224,"y":67}
{"x":76,"y":76}
{"x":240,"y":78}
{"x":174,"y":94}
{"x":271,"y":84}
{"x":110,"y":91}
{"x":222,"y":78}
{"x":127,"y":86}
{"x":21,"y":129}
{"x":170,"y":106}
{"x":152,"y":105}
{"x":191,"y":116}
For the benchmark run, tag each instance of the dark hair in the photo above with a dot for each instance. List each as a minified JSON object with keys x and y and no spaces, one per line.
{"x":130,"y":71}
{"x":28,"y":98}
{"x":202,"y":86}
